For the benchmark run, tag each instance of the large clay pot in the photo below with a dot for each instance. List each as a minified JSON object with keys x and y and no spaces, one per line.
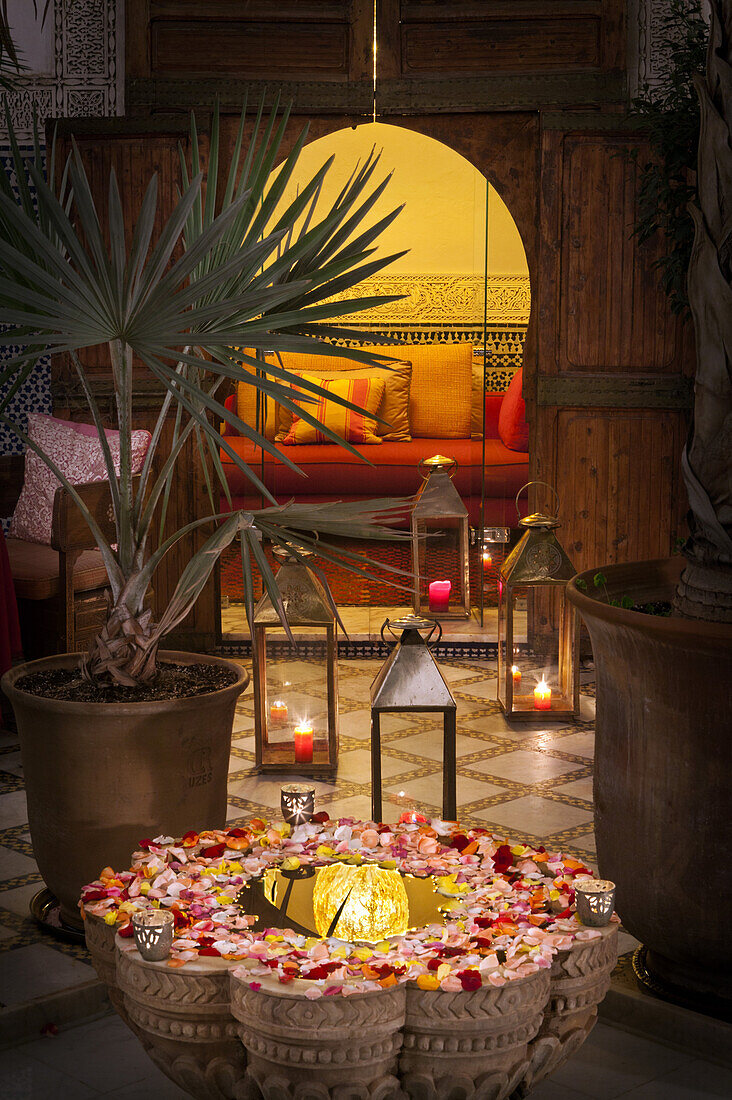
{"x":100,"y":777}
{"x":663,"y":758}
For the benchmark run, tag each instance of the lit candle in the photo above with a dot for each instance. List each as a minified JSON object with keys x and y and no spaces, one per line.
{"x":278,"y":713}
{"x":542,"y":696}
{"x":516,"y":673}
{"x":487,"y":560}
{"x":440,"y":595}
{"x":304,"y":744}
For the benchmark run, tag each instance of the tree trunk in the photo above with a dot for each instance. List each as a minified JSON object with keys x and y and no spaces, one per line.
{"x":705,"y":588}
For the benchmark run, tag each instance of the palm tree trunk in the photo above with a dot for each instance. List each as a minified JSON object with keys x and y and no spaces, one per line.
{"x":705,"y":589}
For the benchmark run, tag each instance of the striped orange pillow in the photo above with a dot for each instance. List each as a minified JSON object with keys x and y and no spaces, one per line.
{"x":349,"y":425}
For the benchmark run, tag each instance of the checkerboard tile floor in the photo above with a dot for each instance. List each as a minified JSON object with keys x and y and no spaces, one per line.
{"x":528,"y":780}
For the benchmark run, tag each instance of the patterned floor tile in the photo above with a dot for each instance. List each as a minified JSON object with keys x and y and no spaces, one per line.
{"x":524,"y":766}
{"x":535,"y":815}
{"x":427,"y":791}
{"x":430,"y":744}
{"x":580,"y":788}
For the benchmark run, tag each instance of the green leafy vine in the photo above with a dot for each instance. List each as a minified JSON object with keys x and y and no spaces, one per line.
{"x":668,"y":115}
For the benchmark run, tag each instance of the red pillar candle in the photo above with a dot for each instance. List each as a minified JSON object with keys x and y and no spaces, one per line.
{"x":516,"y":674}
{"x":278,"y":713}
{"x":304,"y":744}
{"x":487,"y":560}
{"x":440,"y":595}
{"x":542,"y":696}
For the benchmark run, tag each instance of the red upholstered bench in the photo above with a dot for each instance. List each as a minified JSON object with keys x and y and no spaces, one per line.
{"x":392,"y":470}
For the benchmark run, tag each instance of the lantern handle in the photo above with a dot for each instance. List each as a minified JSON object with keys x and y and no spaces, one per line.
{"x":450,"y":467}
{"x":526,"y":486}
{"x":435,"y":626}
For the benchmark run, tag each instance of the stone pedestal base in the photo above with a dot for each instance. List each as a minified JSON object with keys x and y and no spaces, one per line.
{"x":218,"y":1039}
{"x":334,"y":1048}
{"x":186,"y":1022}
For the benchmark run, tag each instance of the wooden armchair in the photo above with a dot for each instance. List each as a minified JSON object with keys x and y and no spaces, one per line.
{"x":61,"y":589}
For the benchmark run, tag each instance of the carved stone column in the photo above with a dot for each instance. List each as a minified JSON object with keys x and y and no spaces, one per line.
{"x":580,"y":978}
{"x":324,"y":1049}
{"x":476,"y":1041}
{"x":188,"y":1028}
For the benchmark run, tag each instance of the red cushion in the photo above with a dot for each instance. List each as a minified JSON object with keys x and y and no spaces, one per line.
{"x":512,"y":426}
{"x":493,"y":402}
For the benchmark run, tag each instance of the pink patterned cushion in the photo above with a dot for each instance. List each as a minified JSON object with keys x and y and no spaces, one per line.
{"x":77,"y":453}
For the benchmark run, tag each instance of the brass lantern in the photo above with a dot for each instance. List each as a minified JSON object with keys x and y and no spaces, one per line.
{"x":296,"y":699}
{"x":440,"y":544}
{"x":408,"y":682}
{"x":540,"y":685}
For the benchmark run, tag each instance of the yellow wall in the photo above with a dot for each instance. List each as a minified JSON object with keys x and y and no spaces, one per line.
{"x":444,"y":196}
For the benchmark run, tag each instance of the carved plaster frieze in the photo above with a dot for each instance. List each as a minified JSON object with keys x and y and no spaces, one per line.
{"x":443,"y":299}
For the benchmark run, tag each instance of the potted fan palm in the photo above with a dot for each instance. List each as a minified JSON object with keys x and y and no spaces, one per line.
{"x":662,"y":753}
{"x":127,"y":741}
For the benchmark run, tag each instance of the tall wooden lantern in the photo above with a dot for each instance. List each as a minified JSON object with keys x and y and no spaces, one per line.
{"x":546,"y":685}
{"x":296,"y":699}
{"x":440,"y":544}
{"x":410,"y":682}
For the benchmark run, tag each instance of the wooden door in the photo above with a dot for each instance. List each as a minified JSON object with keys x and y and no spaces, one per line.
{"x":613,"y":384}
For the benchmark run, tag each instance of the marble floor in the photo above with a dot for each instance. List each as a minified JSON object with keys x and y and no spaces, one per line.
{"x":103,"y":1058}
{"x":531,"y":780}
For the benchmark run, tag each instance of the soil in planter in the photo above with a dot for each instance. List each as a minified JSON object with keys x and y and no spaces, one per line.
{"x":656,"y":607}
{"x":172,"y":682}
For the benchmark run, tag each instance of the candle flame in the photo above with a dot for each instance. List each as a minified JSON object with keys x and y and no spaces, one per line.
{"x":514,"y":669}
{"x":543,"y":685}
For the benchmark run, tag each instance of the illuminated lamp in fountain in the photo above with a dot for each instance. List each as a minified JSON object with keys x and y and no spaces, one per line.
{"x":360,"y":903}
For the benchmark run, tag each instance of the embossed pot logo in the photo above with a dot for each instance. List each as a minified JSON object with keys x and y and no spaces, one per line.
{"x":200,"y":768}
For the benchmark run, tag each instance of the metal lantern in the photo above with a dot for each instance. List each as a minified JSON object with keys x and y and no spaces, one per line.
{"x":440,"y":544}
{"x":542,"y":685}
{"x":410,"y":682}
{"x":296,"y":700}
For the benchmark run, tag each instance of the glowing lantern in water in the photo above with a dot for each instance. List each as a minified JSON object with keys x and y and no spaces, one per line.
{"x":369,"y":902}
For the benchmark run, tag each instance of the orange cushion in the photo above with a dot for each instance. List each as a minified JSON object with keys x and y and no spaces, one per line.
{"x":441,"y":393}
{"x":34,"y":568}
{"x":352,"y":426}
{"x":246,"y":403}
{"x":512,"y":426}
{"x":394,"y":407}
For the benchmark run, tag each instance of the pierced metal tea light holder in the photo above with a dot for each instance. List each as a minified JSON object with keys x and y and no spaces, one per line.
{"x":153,"y":931}
{"x":595,"y":901}
{"x":298,"y":803}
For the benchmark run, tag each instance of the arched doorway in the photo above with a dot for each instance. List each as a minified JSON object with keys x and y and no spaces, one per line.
{"x":463,"y":282}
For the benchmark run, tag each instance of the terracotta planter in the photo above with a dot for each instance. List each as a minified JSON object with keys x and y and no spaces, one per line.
{"x":100,"y":777}
{"x":663,"y":758}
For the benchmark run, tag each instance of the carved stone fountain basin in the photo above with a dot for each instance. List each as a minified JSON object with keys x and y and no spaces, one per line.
{"x":220,"y":1039}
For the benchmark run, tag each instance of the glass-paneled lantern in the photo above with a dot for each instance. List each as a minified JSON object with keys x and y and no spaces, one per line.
{"x":543,"y":682}
{"x":409,"y":682}
{"x":296,"y":699}
{"x":440,"y":544}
